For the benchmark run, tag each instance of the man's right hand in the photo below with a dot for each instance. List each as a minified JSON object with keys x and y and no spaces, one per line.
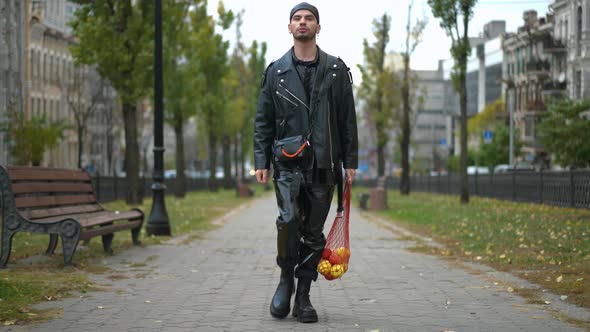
{"x":262,"y":175}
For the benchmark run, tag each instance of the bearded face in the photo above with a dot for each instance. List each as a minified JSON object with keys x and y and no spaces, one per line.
{"x":304,"y":25}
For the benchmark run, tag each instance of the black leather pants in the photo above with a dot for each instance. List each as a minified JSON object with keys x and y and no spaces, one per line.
{"x":304,"y":203}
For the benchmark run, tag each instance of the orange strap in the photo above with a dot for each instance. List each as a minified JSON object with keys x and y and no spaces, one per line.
{"x":295,"y":153}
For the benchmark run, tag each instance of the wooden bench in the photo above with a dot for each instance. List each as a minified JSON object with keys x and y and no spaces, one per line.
{"x":59,"y":202}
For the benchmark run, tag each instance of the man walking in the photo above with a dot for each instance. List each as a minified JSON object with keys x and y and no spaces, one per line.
{"x":306,"y":126}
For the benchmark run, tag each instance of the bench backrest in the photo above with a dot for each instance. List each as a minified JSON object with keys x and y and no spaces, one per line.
{"x":41,"y":192}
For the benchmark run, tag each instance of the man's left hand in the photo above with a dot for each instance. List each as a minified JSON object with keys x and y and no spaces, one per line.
{"x":350,"y":175}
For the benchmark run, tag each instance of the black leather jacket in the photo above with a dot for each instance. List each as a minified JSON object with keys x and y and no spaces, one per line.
{"x":282,"y":108}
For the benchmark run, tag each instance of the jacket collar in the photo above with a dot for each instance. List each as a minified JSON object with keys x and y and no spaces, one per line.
{"x":285,"y":63}
{"x":285,"y":69}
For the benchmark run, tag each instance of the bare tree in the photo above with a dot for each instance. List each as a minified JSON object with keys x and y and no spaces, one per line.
{"x":83,"y":91}
{"x":413,"y":38}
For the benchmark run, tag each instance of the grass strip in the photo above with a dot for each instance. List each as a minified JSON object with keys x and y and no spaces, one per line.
{"x":549,"y":246}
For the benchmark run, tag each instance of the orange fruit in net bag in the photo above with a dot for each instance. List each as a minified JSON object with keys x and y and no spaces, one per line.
{"x":335,"y":259}
{"x":324,"y":267}
{"x":345,"y":266}
{"x":326,"y":253}
{"x":337,"y":271}
{"x":344,"y":253}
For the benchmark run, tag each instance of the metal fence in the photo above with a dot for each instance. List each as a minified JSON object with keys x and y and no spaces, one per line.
{"x":110,"y":188}
{"x":563,"y":188}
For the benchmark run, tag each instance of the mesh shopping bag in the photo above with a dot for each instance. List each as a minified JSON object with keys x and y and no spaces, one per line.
{"x":335,"y":257}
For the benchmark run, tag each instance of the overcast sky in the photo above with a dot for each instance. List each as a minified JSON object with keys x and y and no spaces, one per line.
{"x":346,"y":23}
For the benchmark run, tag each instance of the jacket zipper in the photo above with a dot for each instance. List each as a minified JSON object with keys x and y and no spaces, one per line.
{"x":294,"y":96}
{"x":330,"y":137}
{"x":287,"y":99}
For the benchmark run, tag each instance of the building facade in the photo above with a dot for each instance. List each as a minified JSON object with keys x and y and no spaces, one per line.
{"x":483,"y":80}
{"x":50,"y":69}
{"x":571,"y":47}
{"x":59,"y":90}
{"x":12,"y":66}
{"x":430,"y":133}
{"x":526,"y":73}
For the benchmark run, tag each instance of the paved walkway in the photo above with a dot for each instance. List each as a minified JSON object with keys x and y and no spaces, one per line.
{"x":224,"y":282}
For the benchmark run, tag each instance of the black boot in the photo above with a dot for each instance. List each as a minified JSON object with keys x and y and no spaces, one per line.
{"x":302,"y":309}
{"x":281,"y":301}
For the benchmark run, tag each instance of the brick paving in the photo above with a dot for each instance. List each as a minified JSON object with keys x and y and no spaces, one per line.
{"x":225,"y":280}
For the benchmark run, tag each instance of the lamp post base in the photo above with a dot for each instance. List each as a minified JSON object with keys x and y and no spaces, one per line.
{"x":158,"y":222}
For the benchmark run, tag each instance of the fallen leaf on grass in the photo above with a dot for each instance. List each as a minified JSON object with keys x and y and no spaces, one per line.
{"x":510,"y":289}
{"x":559,"y":279}
{"x":8,"y":322}
{"x":563,"y":297}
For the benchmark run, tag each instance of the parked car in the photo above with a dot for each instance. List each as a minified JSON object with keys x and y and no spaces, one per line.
{"x":523,"y":166}
{"x":502,"y":168}
{"x":478,"y":169}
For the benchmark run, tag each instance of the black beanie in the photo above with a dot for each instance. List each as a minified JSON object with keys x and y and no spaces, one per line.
{"x":305,"y":5}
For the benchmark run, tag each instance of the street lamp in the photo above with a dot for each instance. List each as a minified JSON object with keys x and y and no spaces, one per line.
{"x":158,"y":223}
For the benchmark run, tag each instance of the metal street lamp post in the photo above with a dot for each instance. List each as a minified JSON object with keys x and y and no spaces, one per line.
{"x":158,"y":223}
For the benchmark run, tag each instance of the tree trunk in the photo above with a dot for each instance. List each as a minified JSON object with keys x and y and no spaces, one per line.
{"x":131,"y":154}
{"x":380,"y":161}
{"x":226,"y":146}
{"x":243,"y":157}
{"x":180,"y":181}
{"x":80,"y":145}
{"x":380,"y":150}
{"x":212,"y":183}
{"x":405,"y":141}
{"x":110,"y":141}
{"x":237,"y":159}
{"x":463,"y":105}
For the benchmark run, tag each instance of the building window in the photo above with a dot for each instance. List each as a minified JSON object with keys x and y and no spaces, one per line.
{"x":578,"y":84}
{"x":44,"y":76}
{"x":579,"y":32}
{"x":37,"y":64}
{"x":51,"y":64}
{"x":32,"y":62}
{"x":529,"y":127}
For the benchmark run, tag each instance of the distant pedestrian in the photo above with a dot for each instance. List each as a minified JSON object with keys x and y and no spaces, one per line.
{"x":306,"y":127}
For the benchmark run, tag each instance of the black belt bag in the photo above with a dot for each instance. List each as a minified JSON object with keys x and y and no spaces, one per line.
{"x":290,"y":149}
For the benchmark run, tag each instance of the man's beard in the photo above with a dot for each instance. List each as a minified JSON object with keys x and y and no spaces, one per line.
{"x":303,"y":37}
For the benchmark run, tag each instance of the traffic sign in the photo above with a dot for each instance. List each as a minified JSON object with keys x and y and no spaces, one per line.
{"x":487,"y":136}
